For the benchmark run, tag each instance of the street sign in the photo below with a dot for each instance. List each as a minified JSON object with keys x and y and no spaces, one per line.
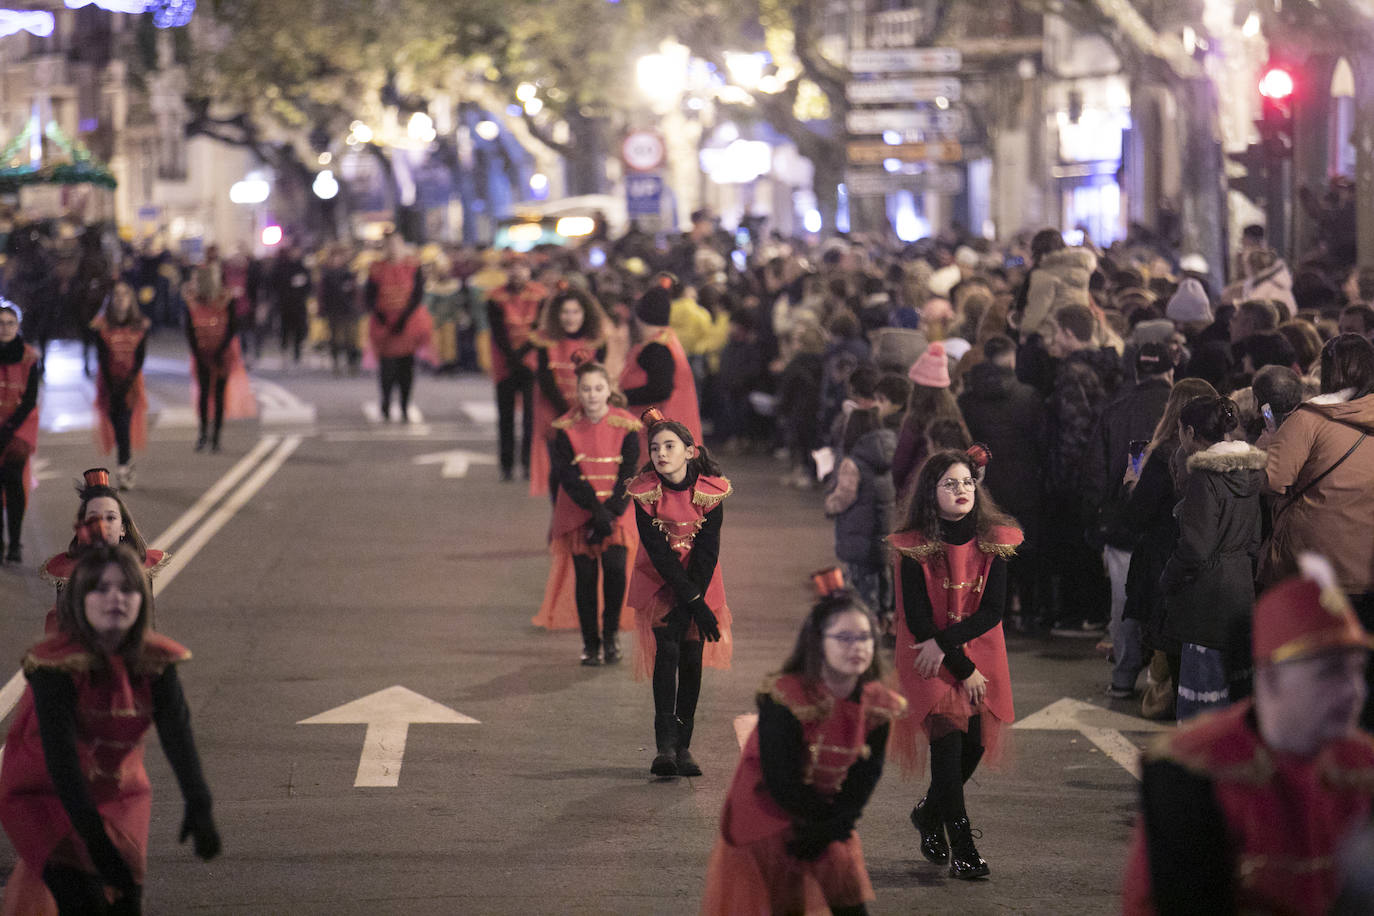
{"x":901,"y":60}
{"x":872,"y":152}
{"x":919,"y":89}
{"x":643,"y":150}
{"x":875,"y":121}
{"x":643,"y":195}
{"x":1102,"y":727}
{"x":388,"y":715}
{"x":943,"y":180}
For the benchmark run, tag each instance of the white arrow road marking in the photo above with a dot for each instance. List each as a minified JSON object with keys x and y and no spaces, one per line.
{"x":43,"y":470}
{"x":743,"y":726}
{"x":373,"y":412}
{"x":388,"y":715}
{"x":1100,"y":726}
{"x":279,"y":406}
{"x":457,"y":462}
{"x":479,"y":411}
{"x":177,"y":418}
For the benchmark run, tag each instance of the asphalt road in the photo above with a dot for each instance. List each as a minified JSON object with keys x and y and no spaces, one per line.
{"x":339,"y":561}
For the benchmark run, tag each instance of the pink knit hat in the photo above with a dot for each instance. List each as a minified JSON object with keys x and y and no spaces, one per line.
{"x":932,"y":368}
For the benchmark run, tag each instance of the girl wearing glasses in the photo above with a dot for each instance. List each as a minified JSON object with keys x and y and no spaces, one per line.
{"x":676,"y":589}
{"x":787,"y":842}
{"x":951,"y":572}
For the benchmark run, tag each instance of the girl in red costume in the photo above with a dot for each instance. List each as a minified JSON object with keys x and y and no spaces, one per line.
{"x":951,"y":573}
{"x":74,"y":797}
{"x":676,"y":590}
{"x":102,"y":518}
{"x":19,"y":375}
{"x":220,"y":379}
{"x":398,"y":327}
{"x":594,"y":451}
{"x":656,"y":372}
{"x":571,"y":321}
{"x":787,"y":842}
{"x":121,"y":341}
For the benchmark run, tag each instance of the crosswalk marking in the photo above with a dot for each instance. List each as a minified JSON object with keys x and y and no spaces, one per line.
{"x":373,"y":412}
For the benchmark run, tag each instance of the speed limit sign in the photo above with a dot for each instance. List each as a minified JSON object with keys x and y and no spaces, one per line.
{"x":643,"y":151}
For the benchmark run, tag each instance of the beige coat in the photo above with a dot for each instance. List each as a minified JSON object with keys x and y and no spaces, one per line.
{"x":1060,"y":279}
{"x":1336,"y":517}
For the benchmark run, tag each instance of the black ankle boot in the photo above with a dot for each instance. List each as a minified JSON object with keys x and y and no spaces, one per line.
{"x":665,"y":739}
{"x":201,"y":441}
{"x":964,"y":861}
{"x":926,"y":819}
{"x":610,"y":648}
{"x":591,"y":653}
{"x":14,"y":554}
{"x":686,"y":763}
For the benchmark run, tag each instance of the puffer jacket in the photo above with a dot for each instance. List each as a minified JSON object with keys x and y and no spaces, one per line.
{"x":1060,"y":279}
{"x":1209,"y":580}
{"x":1336,"y":517}
{"x":861,"y":525}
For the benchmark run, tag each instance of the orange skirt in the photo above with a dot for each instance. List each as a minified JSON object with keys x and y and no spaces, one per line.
{"x":910,"y":744}
{"x":761,"y":879}
{"x":239,"y":400}
{"x":559,"y":609}
{"x":714,"y":654}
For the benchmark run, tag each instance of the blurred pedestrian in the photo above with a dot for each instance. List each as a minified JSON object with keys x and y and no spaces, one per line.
{"x":676,"y":589}
{"x":120,"y":333}
{"x":657,"y":373}
{"x":861,"y":502}
{"x":75,"y":799}
{"x":594,"y":452}
{"x":339,"y":303}
{"x":571,"y":326}
{"x":289,"y":285}
{"x":787,"y":842}
{"x":19,"y":377}
{"x":219,"y":385}
{"x":512,"y":312}
{"x":952,"y":545}
{"x":399,"y":328}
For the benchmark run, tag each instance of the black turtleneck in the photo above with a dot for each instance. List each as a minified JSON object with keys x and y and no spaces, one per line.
{"x":10,"y":354}
{"x":689,"y":582}
{"x":920,"y":615}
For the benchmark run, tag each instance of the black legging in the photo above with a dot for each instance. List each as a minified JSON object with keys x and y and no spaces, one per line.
{"x":295,"y":323}
{"x":612,"y":593}
{"x":120,"y":419}
{"x":677,"y":668}
{"x":506,"y":390}
{"x":396,"y":372}
{"x":203,"y":379}
{"x":12,"y":487}
{"x":953,"y":758}
{"x":76,"y":892}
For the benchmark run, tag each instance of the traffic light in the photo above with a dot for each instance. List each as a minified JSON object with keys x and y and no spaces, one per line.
{"x":1254,"y":184}
{"x":1276,"y":87}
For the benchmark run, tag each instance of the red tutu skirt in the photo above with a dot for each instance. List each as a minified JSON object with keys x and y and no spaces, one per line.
{"x":416,"y":338}
{"x":559,"y":610}
{"x":137,"y":400}
{"x":714,"y":654}
{"x":239,"y":401}
{"x":761,"y":879}
{"x":910,"y":743}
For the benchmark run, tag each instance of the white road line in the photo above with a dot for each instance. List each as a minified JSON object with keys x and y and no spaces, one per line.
{"x":373,"y":413}
{"x":221,"y":516}
{"x":193,"y":515}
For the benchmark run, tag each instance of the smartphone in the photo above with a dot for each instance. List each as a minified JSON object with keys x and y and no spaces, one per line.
{"x":1073,"y":238}
{"x":1136,"y":454}
{"x":1267,"y":412}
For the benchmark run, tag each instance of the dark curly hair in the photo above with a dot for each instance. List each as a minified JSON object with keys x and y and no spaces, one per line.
{"x":921,"y":512}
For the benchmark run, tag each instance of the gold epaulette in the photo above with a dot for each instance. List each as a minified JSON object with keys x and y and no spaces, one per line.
{"x":624,"y":422}
{"x":1005,"y":551}
{"x":710,"y":500}
{"x":565,"y":422}
{"x":646,"y":497}
{"x":156,"y":568}
{"x":77,"y":661}
{"x":804,"y":711}
{"x":58,"y":582}
{"x":919,"y":552}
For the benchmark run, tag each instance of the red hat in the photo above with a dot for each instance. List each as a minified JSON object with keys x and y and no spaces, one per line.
{"x":1305,"y":615}
{"x":827,"y":581}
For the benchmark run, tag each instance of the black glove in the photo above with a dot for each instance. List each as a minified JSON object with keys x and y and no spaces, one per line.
{"x":601,"y":525}
{"x":200,"y":826}
{"x":705,"y":619}
{"x":130,"y":903}
{"x":808,"y":842}
{"x":114,"y":871}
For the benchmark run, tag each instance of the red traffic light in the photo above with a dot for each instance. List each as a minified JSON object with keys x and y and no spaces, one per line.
{"x":1276,"y":84}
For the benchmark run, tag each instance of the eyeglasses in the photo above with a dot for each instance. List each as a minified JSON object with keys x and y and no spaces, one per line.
{"x":851,"y":639}
{"x":955,"y":486}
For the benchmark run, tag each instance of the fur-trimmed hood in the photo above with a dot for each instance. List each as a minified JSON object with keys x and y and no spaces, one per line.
{"x":1239,"y":465}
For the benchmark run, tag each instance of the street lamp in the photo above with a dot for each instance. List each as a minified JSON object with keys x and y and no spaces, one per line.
{"x":420,"y":128}
{"x":326,"y":186}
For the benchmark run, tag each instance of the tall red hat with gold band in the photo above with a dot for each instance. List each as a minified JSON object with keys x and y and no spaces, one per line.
{"x":1306,"y":615}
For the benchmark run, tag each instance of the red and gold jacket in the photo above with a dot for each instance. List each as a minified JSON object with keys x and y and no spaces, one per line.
{"x":1286,"y":816}
{"x":395,"y":281}
{"x":14,"y":382}
{"x":518,"y":311}
{"x":955,"y":575}
{"x":836,"y":735}
{"x":681,"y":405}
{"x":209,"y":324}
{"x":121,"y":341}
{"x":561,"y":365}
{"x":114,"y":709}
{"x":679,"y":515}
{"x":597,"y":451}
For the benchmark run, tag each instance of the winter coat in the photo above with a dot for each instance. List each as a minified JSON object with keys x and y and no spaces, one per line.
{"x":1008,"y":416}
{"x":1275,"y":284}
{"x":1060,"y":279}
{"x":861,"y":525}
{"x":1148,"y":518}
{"x":1084,"y":383}
{"x":1336,"y":517}
{"x":799,"y":401}
{"x":1133,"y":415}
{"x":1209,"y":581}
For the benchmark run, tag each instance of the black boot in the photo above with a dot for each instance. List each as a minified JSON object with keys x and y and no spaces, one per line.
{"x":686,"y":764}
{"x":610,"y":647}
{"x":14,"y":554}
{"x":202,"y":440}
{"x":591,"y":653}
{"x":964,"y":861}
{"x":665,"y":739}
{"x":926,"y":819}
